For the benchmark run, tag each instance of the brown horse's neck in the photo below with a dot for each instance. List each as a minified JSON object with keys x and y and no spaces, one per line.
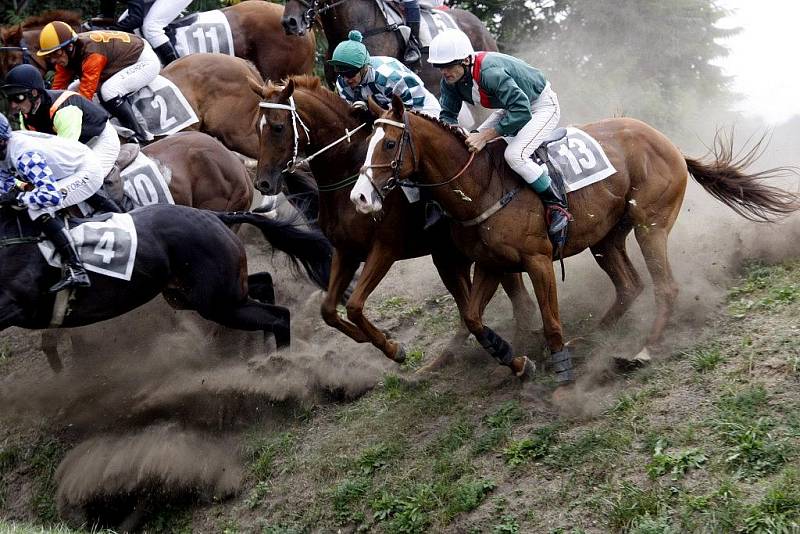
{"x":328,"y":120}
{"x":338,"y":21}
{"x":442,"y":155}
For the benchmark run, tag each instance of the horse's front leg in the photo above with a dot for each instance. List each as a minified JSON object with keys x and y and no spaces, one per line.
{"x":540,"y":269}
{"x":484,"y":286}
{"x":342,"y":271}
{"x":379,"y":260}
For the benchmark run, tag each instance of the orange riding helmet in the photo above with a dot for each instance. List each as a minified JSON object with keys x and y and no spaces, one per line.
{"x":54,"y":36}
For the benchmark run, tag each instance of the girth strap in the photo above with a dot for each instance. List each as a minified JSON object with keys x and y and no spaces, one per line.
{"x":494,"y":208}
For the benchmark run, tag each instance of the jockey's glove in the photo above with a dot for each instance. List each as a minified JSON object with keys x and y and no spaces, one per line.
{"x":359,"y":104}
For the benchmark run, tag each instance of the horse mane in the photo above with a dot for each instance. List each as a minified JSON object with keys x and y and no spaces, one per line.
{"x":311,"y":84}
{"x":72,"y":18}
{"x":452,"y":128}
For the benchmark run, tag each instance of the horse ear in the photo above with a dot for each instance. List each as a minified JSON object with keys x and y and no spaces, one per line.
{"x":288,"y":90}
{"x":397,"y":107}
{"x":374,"y":108}
{"x":256,"y":86}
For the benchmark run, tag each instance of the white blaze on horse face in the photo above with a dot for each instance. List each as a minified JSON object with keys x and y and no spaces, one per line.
{"x":261,"y":124}
{"x":363,"y":194}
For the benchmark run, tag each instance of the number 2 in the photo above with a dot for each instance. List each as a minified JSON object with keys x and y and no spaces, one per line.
{"x":160,"y":104}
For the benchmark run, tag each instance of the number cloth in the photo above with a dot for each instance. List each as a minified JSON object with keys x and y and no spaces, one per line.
{"x":386,"y":76}
{"x":527,"y":108}
{"x":63,"y":172}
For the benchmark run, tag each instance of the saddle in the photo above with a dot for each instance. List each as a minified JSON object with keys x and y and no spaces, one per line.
{"x":111,"y":197}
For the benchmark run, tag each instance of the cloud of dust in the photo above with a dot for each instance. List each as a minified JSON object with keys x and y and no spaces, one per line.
{"x":164,"y":459}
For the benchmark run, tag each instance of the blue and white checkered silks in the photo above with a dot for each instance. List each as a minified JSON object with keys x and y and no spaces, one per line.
{"x":33,"y":168}
{"x":385,"y":77}
{"x":5,"y":128}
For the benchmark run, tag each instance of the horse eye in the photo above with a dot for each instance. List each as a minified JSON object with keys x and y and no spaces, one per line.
{"x":277,"y":128}
{"x":390,"y":145}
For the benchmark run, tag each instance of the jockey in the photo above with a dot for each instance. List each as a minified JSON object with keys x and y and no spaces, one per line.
{"x":152,"y":16}
{"x":360,"y":76}
{"x":411,"y":13}
{"x":121,"y":62}
{"x":63,"y":113}
{"x":54,"y":173}
{"x":527,"y":109}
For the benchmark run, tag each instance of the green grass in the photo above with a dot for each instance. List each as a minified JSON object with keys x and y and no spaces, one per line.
{"x":675,"y":464}
{"x":531,"y":448}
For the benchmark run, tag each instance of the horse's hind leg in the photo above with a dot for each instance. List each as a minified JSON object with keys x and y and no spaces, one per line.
{"x":252,"y":315}
{"x":653,"y":242}
{"x":610,"y":253}
{"x":260,"y":288}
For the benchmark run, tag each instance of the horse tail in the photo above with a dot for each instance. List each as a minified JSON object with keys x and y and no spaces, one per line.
{"x":726,"y":179}
{"x":303,"y":244}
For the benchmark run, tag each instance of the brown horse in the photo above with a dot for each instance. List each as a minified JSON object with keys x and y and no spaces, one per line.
{"x":338,"y":17}
{"x":645,"y":195}
{"x":356,"y":237}
{"x":255,"y":26}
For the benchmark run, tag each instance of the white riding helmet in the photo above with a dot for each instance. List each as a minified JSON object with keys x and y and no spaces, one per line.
{"x":449,"y":46}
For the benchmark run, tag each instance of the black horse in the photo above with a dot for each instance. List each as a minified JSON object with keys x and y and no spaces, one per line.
{"x":338,"y":17}
{"x":188,"y":255}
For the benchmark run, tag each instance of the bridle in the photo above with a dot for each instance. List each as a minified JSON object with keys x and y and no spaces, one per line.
{"x":312,"y":9}
{"x":292,"y":165}
{"x":397,"y":163}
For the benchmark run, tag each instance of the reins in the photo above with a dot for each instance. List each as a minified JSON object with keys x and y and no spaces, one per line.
{"x":294,"y":163}
{"x":396,"y":165}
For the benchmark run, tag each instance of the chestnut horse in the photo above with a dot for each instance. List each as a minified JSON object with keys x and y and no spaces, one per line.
{"x":356,"y":237}
{"x":255,"y":26}
{"x":645,"y":195}
{"x":338,"y":17}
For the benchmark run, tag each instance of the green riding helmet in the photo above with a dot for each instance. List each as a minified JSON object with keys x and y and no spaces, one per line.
{"x":350,"y":54}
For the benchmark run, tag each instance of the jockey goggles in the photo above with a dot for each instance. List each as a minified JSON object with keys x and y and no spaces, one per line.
{"x":348,"y":72}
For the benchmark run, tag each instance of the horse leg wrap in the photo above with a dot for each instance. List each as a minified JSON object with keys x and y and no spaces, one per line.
{"x":562,"y":365}
{"x":495,"y":345}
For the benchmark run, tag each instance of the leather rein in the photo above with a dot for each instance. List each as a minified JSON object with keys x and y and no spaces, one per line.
{"x":397,"y":163}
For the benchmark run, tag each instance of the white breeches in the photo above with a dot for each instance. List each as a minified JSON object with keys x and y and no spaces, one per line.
{"x":75,"y":189}
{"x":545,"y":114}
{"x":134,"y":77}
{"x":106,"y":147}
{"x":161,"y":14}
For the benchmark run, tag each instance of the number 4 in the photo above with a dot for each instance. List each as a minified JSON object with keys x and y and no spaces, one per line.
{"x":105,"y":247}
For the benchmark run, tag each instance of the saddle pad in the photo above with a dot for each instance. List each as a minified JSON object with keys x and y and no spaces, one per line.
{"x":209,"y":32}
{"x":107,"y":245}
{"x":163,"y":107}
{"x":580,"y":158}
{"x":145,"y":184}
{"x":432,"y":22}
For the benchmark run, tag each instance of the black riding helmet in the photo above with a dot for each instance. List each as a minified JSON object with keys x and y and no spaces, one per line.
{"x":23,"y":79}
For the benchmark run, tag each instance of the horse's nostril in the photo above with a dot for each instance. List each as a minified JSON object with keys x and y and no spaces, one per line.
{"x":362,"y":198}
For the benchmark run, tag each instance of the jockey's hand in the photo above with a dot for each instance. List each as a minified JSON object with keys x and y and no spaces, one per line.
{"x":476,"y":141}
{"x":10,"y":198}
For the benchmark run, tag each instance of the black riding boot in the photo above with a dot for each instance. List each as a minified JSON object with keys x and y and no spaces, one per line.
{"x":557,"y":215}
{"x":101,"y":203}
{"x":122,"y":109}
{"x":413,"y":53}
{"x":166,"y":53}
{"x":73,"y":273}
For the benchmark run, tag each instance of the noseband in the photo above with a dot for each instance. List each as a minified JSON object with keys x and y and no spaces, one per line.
{"x":292,"y":108}
{"x":397,"y":163}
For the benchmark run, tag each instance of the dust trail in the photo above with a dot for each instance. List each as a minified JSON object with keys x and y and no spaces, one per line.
{"x":164,"y":459}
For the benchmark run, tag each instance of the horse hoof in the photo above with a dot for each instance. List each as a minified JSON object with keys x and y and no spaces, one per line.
{"x":443,"y":360}
{"x":400,"y":354}
{"x":523,"y":368}
{"x":626,"y":365}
